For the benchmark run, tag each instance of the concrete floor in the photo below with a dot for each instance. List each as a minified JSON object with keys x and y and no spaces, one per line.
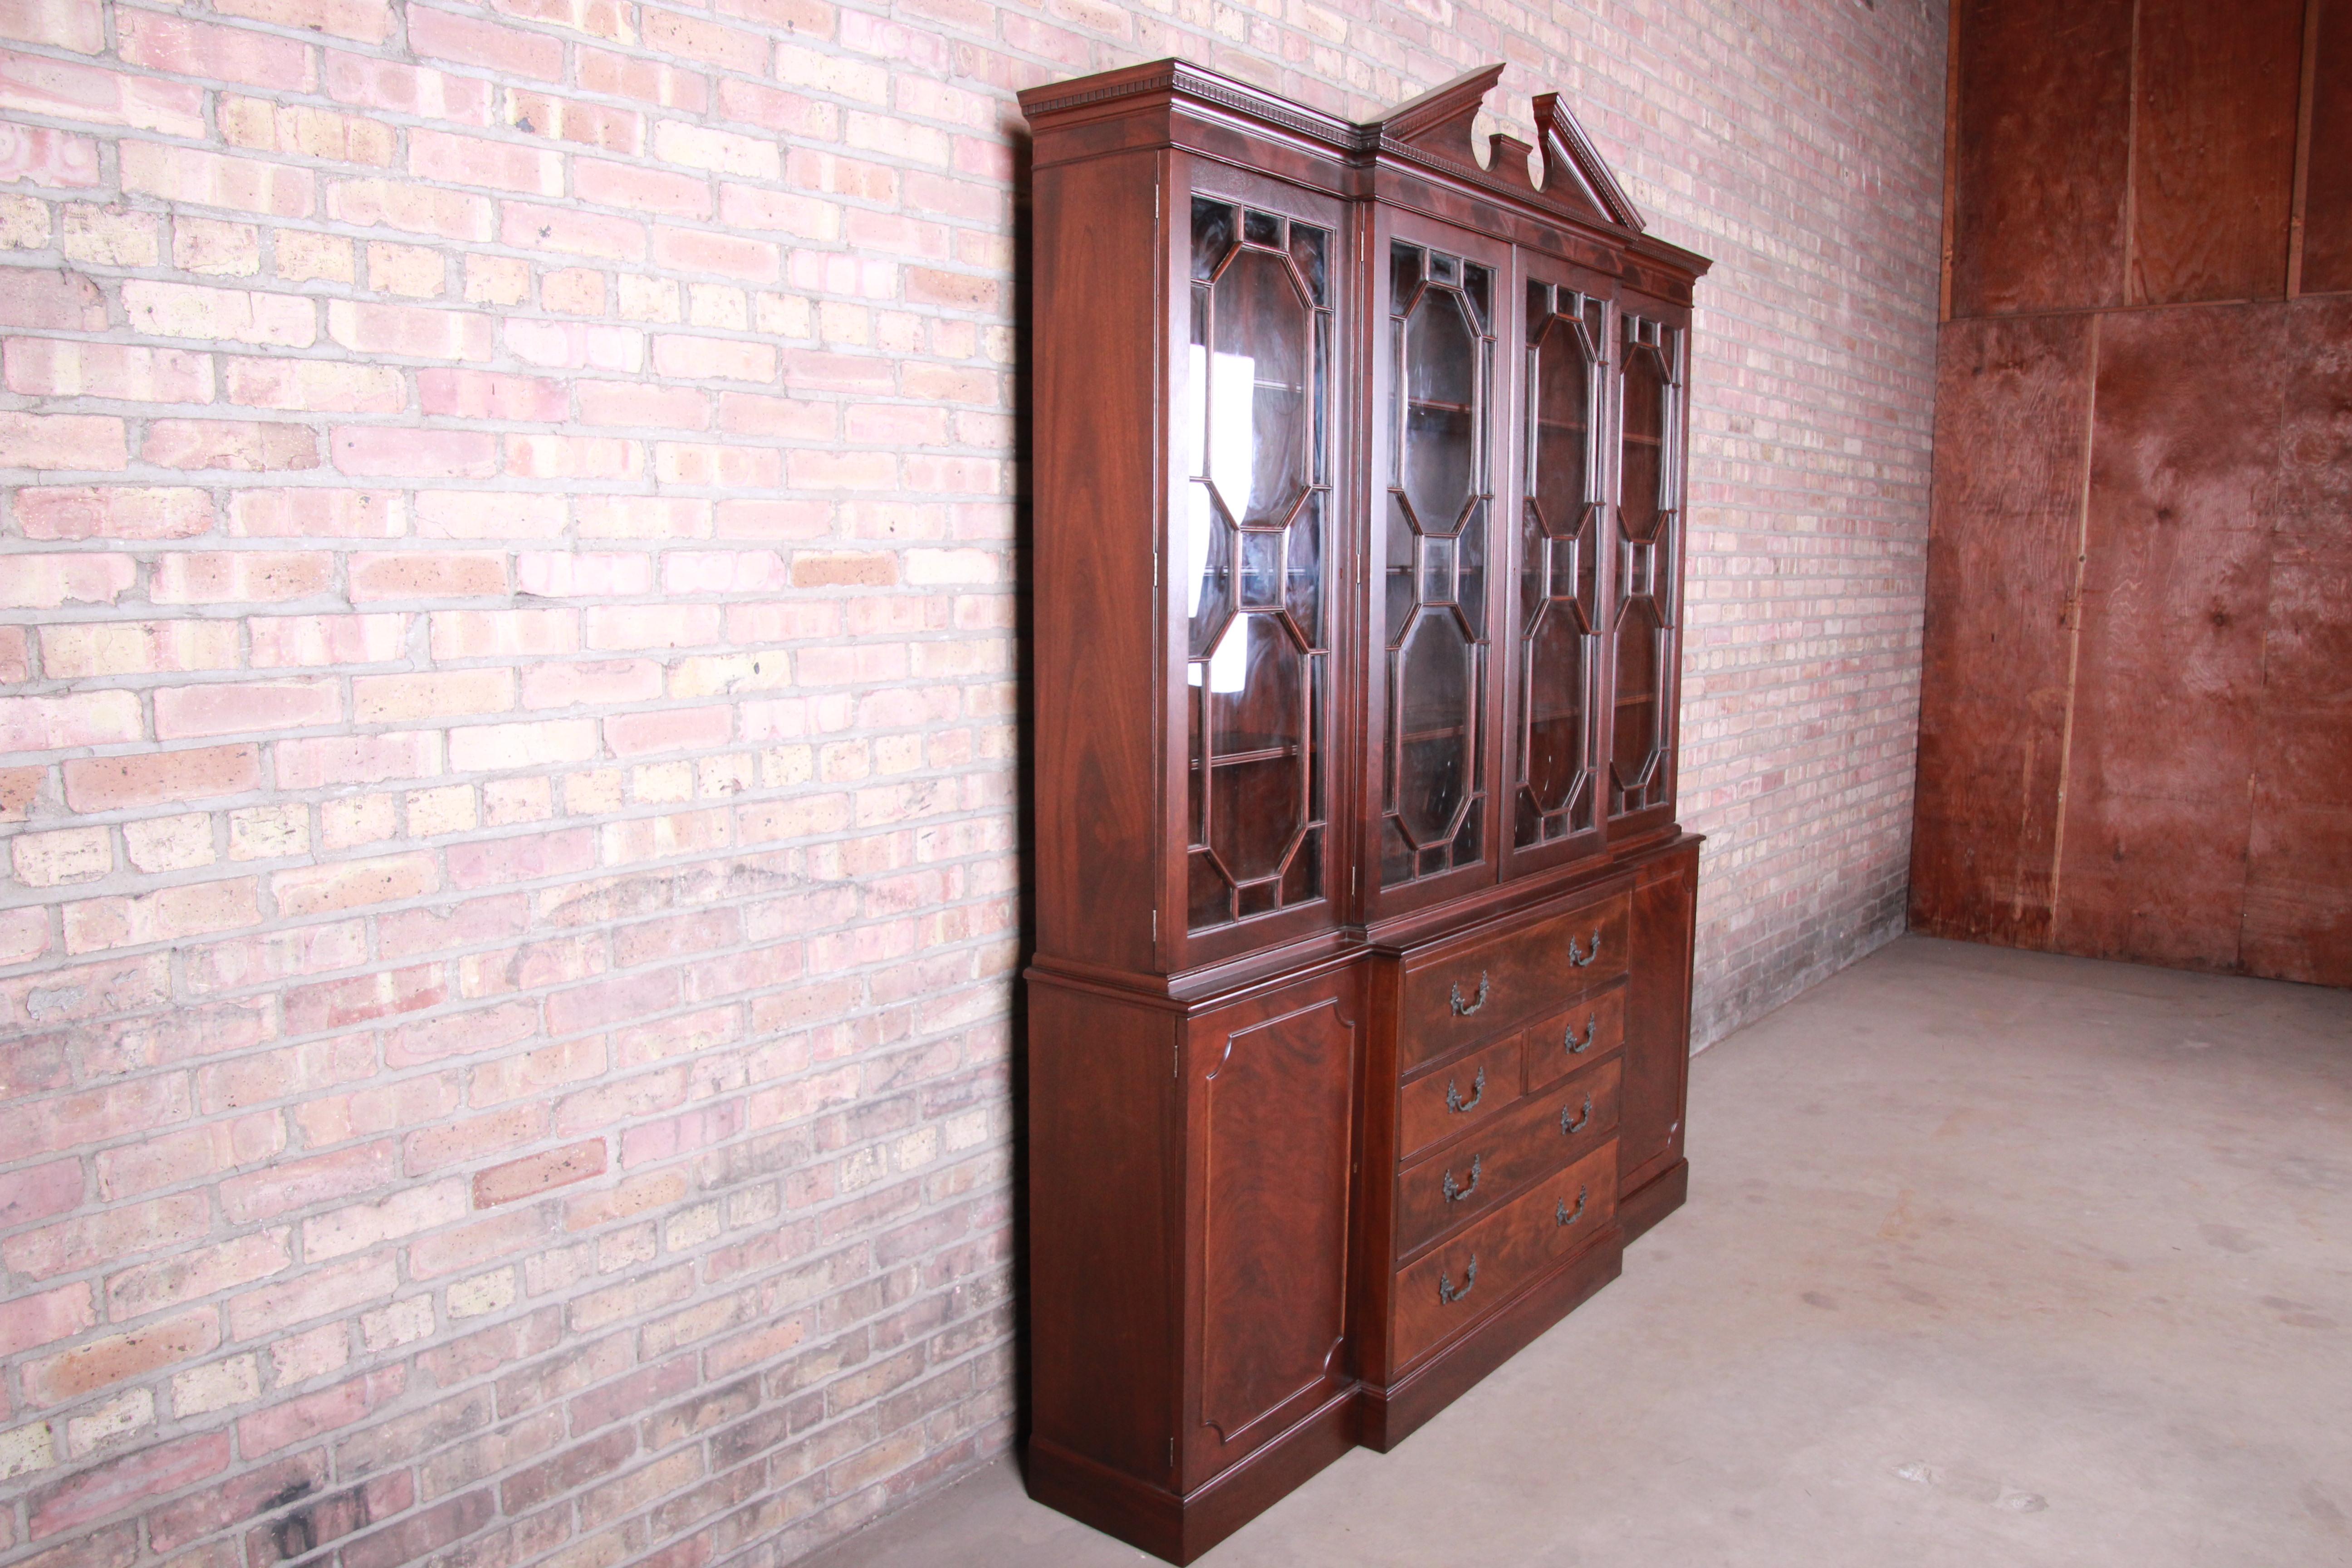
{"x":1991,"y":1259}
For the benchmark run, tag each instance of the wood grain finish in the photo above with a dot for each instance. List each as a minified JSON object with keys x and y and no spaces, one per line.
{"x":1468,"y":1178}
{"x":2328,"y":160}
{"x":1448,"y":1292}
{"x":1099,"y":681}
{"x":2184,"y":458}
{"x":1274,"y":1122}
{"x":2298,"y":902}
{"x":2132,"y":733}
{"x":1592,"y":1029}
{"x":2012,"y":428}
{"x":2213,"y":156}
{"x":2044,"y":154}
{"x":1494,"y":983}
{"x":1451,"y":1099}
{"x":1255,"y":1097}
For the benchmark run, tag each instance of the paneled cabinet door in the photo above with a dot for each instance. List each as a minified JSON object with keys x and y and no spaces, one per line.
{"x":1272,"y":1093}
{"x":1560,"y":589}
{"x":1645,"y":610}
{"x":1252,"y":451}
{"x":1441,"y":403}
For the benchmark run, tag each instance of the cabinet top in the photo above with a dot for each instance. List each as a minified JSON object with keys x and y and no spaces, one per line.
{"x":1429,"y":136}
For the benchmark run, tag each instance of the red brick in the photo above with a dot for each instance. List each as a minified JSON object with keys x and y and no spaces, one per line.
{"x":101,"y":1363}
{"x":118,"y":1484}
{"x":536,"y":1173}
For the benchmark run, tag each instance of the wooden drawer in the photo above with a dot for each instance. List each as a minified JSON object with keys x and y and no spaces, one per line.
{"x":1456,"y":1099}
{"x":1480,"y":1171}
{"x":1590,"y":1031}
{"x":1458,"y":1284}
{"x":1481,"y":989}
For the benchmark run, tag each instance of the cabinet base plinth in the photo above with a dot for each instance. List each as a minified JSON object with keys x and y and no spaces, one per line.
{"x":1655,"y":1199}
{"x":1179,"y":1528}
{"x":1387,"y":1416}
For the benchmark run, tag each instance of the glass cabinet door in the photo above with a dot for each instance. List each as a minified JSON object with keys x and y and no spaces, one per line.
{"x":1641,"y":755}
{"x":1558,"y":588}
{"x":1254,"y":434}
{"x":1434,"y":501}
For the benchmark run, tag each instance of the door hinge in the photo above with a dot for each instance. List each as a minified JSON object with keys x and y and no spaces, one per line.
{"x":1171,"y":1453}
{"x":1155,"y":925}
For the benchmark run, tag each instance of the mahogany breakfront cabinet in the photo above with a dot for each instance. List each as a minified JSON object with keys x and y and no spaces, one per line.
{"x":1360,"y":1005}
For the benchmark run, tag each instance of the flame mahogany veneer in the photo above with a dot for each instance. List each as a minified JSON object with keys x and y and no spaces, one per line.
{"x":1360,"y":1012}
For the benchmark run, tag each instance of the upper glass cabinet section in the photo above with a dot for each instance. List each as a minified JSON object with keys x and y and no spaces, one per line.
{"x":1253,"y":437}
{"x":1559,"y":606}
{"x":1437,"y":497}
{"x":1640,"y":762}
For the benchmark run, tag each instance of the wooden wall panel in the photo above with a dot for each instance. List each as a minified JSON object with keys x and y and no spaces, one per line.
{"x":2298,"y":919}
{"x":2204,"y":716}
{"x":2213,"y":154}
{"x":2042,"y":150}
{"x":2327,"y":190}
{"x":2183,"y":470}
{"x":2013,"y":406}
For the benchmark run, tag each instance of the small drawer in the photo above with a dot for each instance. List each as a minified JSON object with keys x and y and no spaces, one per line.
{"x":1571,"y":1041}
{"x":1458,"y":1284}
{"x":1458,"y":994}
{"x":1457,"y":1098}
{"x":1537,"y":1138}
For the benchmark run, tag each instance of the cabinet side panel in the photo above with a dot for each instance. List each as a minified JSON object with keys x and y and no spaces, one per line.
{"x":1105,"y":1207}
{"x":1098,"y":682}
{"x":1657,"y":1018}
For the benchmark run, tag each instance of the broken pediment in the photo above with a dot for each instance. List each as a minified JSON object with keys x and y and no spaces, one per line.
{"x":1575,"y":178}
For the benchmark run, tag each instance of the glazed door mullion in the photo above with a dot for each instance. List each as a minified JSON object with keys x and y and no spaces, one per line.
{"x":1651,"y":342}
{"x":1442,"y":404}
{"x":1253,"y":461}
{"x":1560,"y":542}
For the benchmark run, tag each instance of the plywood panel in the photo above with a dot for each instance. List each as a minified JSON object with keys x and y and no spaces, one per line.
{"x":2298,"y":918}
{"x":2213,"y":164}
{"x":2183,"y":475}
{"x":2013,"y":406}
{"x":2327,"y":201}
{"x":2044,"y":149}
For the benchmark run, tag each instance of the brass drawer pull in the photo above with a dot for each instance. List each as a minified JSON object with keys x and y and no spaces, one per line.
{"x":1572,"y":1128}
{"x":1455,"y":1195}
{"x":1577,"y":1047}
{"x":1445,"y":1290}
{"x":1463,"y":1009}
{"x":1454,"y":1101}
{"x":1567,"y":1216}
{"x":1579,"y":961}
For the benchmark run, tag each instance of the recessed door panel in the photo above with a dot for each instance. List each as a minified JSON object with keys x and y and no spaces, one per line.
{"x":1277,"y":1096}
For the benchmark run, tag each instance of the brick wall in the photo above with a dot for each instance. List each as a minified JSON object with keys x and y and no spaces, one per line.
{"x":509,"y":890}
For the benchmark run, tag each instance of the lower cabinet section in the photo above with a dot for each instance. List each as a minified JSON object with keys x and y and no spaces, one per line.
{"x":1458,"y":1284}
{"x":1292,"y":1217}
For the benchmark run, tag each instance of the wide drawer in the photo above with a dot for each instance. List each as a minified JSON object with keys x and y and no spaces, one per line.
{"x":1481,"y":989}
{"x":1456,"y":1099}
{"x":1590,"y":1031}
{"x":1461,"y":1282}
{"x":1544,"y":1134}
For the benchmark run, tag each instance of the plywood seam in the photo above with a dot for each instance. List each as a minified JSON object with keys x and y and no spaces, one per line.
{"x":2075,"y":625}
{"x":2131,"y":196}
{"x":2298,"y":199}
